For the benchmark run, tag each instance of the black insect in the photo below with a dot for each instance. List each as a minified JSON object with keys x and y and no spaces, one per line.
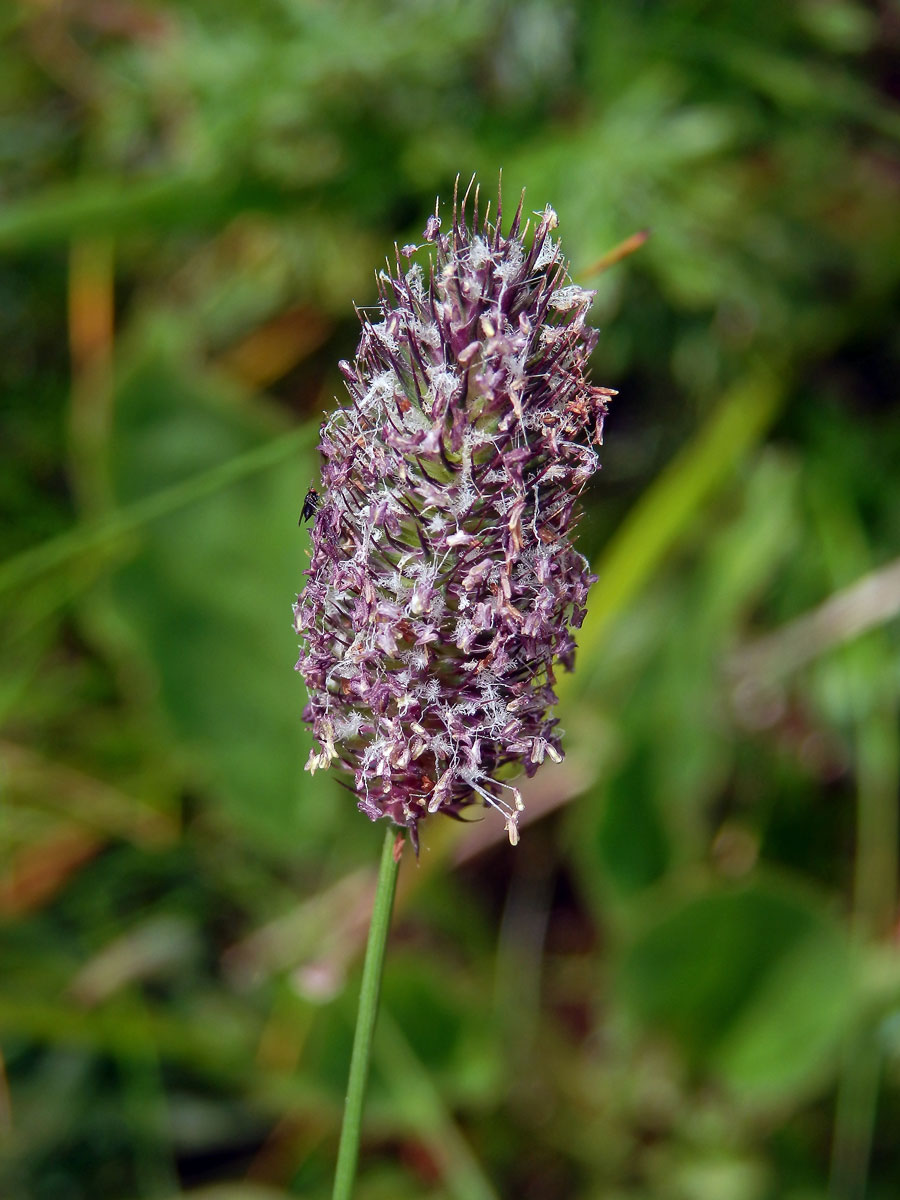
{"x":310,"y":506}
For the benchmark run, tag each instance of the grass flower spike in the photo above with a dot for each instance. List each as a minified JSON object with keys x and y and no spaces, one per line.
{"x":444,"y":586}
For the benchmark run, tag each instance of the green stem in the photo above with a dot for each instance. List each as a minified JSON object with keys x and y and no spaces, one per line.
{"x":348,"y":1150}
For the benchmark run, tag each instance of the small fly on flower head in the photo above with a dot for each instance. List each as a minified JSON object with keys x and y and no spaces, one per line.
{"x":310,"y":506}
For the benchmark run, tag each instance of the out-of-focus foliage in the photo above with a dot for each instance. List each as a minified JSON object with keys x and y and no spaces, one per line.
{"x":684,"y":983}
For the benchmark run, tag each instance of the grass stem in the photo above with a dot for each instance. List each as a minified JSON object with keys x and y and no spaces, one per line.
{"x":370,"y":989}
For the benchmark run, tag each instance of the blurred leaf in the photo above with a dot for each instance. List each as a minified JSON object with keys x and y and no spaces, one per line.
{"x":234,"y":1191}
{"x":102,"y":536}
{"x":97,"y":206}
{"x":667,"y":508}
{"x":756,"y":984}
{"x":208,"y":596}
{"x":29,"y":779}
{"x":631,"y":840}
{"x":790,"y":1029}
{"x":220,"y":1047}
{"x":419,"y":1101}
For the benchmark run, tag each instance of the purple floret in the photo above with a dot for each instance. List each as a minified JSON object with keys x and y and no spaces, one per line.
{"x":444,"y":586}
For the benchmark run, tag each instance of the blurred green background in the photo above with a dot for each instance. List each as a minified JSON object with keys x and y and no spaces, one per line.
{"x":684,"y":984}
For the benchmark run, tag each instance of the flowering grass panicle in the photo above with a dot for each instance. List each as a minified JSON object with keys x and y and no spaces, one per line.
{"x":443,"y":585}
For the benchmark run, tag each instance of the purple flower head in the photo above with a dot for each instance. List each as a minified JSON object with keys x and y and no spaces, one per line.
{"x":444,"y":586}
